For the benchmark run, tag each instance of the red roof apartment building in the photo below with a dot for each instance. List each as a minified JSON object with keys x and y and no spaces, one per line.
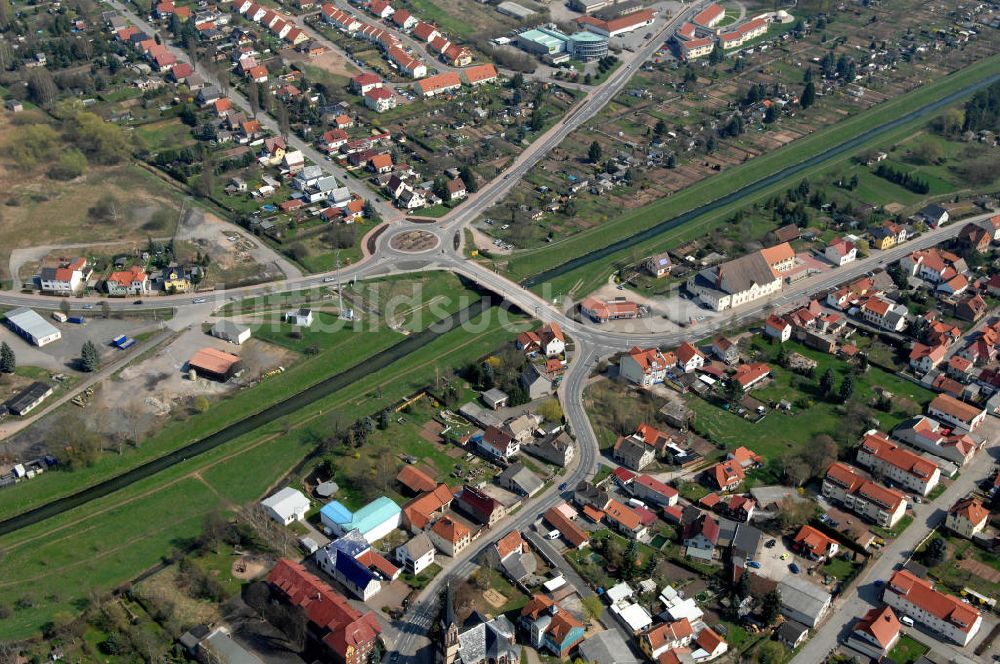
{"x":349,"y":634}
{"x":906,"y":468}
{"x":859,"y":494}
{"x":945,"y":614}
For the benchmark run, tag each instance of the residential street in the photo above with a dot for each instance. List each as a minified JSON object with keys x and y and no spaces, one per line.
{"x":865,"y":594}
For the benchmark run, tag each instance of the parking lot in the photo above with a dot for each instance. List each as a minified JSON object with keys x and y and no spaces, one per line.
{"x":62,"y":355}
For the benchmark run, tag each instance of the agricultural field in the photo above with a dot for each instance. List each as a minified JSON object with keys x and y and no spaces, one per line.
{"x":711,"y":216}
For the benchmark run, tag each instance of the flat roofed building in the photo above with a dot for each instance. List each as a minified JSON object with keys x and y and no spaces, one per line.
{"x":28,"y":399}
{"x":32,"y":327}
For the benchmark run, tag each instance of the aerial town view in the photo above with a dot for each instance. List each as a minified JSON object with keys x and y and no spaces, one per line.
{"x":499,"y":331}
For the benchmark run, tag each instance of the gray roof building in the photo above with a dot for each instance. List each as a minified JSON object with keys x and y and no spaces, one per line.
{"x":803,"y":600}
{"x":483,"y":640}
{"x":32,"y":327}
{"x":520,"y":480}
{"x":607,"y":647}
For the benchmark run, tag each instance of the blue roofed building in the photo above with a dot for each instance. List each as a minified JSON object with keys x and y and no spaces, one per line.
{"x":351,"y":561}
{"x":375,"y":520}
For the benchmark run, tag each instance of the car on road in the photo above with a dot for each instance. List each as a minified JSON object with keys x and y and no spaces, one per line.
{"x":137,"y":302}
{"x":793,"y":568}
{"x":327,"y":280}
{"x":88,"y":306}
{"x":199,"y":300}
{"x":562,"y":487}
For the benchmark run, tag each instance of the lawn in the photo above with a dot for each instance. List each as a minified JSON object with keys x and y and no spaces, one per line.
{"x":51,"y":567}
{"x":328,"y":333}
{"x":420,"y":581}
{"x":585,"y":278}
{"x":908,"y":650}
{"x":779,"y":432}
{"x":169,"y":134}
{"x":955,"y":578}
{"x":839,"y":568}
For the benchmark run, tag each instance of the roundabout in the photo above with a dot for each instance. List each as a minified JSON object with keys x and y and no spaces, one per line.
{"x":414,"y":241}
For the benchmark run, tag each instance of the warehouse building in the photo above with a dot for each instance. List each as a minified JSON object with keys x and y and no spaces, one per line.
{"x":33,"y":328}
{"x":28,"y":399}
{"x":214,"y":364}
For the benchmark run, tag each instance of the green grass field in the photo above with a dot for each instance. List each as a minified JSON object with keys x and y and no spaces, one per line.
{"x":585,"y":278}
{"x":907,"y":651}
{"x":50,"y":568}
{"x":780,"y":433}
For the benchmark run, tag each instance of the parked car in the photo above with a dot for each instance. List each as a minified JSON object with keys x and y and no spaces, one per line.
{"x":754,"y":564}
{"x":770,"y":543}
{"x":793,"y":568}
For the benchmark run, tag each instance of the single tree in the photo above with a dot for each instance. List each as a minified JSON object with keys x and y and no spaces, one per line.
{"x":90,"y":359}
{"x":808,"y":97}
{"x":935,"y":552}
{"x":826,"y":382}
{"x":846,"y":388}
{"x":8,"y":361}
{"x":592,"y":607}
{"x":469,"y":178}
{"x":771,"y":114}
{"x":661,"y":127}
{"x":594,"y":152}
{"x":771,"y":607}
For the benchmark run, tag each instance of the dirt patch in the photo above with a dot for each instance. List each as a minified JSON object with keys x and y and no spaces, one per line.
{"x":335,"y":63}
{"x":250,"y":567}
{"x":495,"y":598}
{"x":142,"y":395}
{"x":236,"y":259}
{"x":431,"y":432}
{"x":414,"y":241}
{"x":982,"y":570}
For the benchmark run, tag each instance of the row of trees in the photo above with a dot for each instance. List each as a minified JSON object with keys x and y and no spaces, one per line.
{"x":906,"y":180}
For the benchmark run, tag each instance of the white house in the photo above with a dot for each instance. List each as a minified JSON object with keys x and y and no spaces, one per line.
{"x":286,"y":506}
{"x":299,"y":317}
{"x":64,"y":280}
{"x":945,"y":614}
{"x":841,"y":252}
{"x":133,"y":281}
{"x":417,"y":554}
{"x":645,"y":367}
